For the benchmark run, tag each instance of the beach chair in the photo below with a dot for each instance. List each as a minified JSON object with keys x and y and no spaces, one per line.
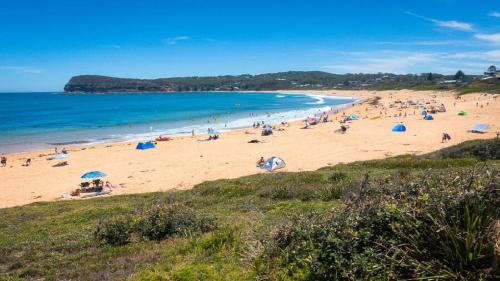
{"x":97,"y":183}
{"x":84,"y":186}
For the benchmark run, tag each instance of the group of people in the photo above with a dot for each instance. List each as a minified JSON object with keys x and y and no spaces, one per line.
{"x":258,"y":124}
{"x":98,"y":186}
{"x":446,"y":137}
{"x":64,"y":150}
{"x":212,"y":134}
{"x":3,"y":161}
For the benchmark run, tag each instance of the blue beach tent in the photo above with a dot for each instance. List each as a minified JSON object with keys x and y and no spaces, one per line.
{"x":267,"y":130}
{"x":145,"y":145}
{"x":399,"y":128}
{"x":354,"y":117}
{"x":429,"y":117}
{"x":93,"y":175}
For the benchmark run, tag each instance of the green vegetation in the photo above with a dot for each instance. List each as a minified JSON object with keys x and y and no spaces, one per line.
{"x":481,"y":86}
{"x":430,"y":217}
{"x":292,"y":80}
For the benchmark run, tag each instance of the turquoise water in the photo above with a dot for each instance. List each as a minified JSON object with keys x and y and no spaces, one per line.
{"x":42,"y":120}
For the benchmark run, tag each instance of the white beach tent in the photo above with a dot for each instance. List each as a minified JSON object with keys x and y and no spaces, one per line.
{"x":58,"y":156}
{"x":273,"y":163}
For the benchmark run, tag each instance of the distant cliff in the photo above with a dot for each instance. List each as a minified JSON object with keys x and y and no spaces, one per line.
{"x":104,"y":84}
{"x":292,"y":80}
{"x":272,"y":81}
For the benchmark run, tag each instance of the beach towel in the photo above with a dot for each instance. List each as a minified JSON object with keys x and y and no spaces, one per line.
{"x":145,"y":145}
{"x":480,"y":128}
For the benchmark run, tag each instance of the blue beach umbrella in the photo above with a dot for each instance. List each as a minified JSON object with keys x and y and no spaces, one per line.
{"x":93,"y":175}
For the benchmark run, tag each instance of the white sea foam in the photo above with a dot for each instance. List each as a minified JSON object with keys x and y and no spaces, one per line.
{"x":318,"y":99}
{"x":243,"y":122}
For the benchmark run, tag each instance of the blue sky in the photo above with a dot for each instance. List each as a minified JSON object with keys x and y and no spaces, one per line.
{"x":44,"y":43}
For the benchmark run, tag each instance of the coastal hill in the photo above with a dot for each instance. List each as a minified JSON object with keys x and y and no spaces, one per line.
{"x":292,"y":80}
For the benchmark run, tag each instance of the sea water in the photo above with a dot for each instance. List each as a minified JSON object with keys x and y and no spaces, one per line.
{"x":31,"y":121}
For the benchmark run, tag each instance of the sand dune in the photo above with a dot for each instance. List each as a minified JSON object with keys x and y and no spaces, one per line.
{"x":186,"y":161}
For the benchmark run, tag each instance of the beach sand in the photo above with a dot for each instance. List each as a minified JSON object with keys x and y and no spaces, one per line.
{"x":186,"y":161}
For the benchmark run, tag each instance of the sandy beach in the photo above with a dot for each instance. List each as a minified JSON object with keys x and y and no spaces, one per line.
{"x":187,"y":161}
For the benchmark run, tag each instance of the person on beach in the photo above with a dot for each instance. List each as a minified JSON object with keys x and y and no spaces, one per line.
{"x":446,"y":137}
{"x":109,"y":185}
{"x":64,"y":150}
{"x":3,"y":160}
{"x":261,"y":162}
{"x":56,"y":150}
{"x":61,"y":164}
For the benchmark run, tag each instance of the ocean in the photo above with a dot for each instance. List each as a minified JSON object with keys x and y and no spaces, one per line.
{"x":31,"y":121}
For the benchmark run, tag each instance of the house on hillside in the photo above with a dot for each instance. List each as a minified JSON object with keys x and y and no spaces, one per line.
{"x":448,"y":82}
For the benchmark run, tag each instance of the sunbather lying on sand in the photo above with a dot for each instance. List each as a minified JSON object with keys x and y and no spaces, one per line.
{"x":61,"y":164}
{"x":109,"y":185}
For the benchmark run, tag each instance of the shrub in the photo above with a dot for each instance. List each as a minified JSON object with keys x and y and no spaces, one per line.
{"x":481,"y":149}
{"x":305,"y":186}
{"x":337,"y":176}
{"x":114,"y":231}
{"x":163,"y":221}
{"x":435,"y":225}
{"x":158,"y":222}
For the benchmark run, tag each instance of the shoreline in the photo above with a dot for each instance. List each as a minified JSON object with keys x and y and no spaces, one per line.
{"x":144,"y":136}
{"x":187,"y":161}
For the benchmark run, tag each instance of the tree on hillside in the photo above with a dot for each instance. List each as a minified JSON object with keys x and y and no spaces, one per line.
{"x":459,"y":76}
{"x":491,"y":70}
{"x":429,"y":77}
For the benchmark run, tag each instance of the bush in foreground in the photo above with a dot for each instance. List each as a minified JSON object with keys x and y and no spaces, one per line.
{"x":435,"y":226}
{"x":114,"y":231}
{"x":157,"y":222}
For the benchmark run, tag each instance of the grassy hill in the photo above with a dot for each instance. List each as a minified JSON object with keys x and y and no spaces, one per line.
{"x":410,"y":217}
{"x":485,"y":86}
